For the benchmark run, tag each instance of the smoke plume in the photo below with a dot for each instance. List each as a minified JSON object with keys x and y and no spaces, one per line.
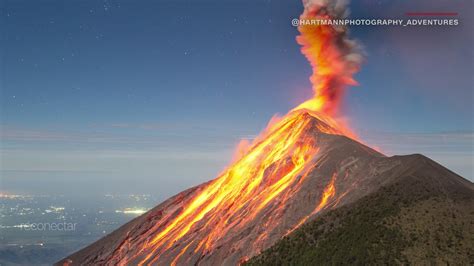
{"x":334,"y":57}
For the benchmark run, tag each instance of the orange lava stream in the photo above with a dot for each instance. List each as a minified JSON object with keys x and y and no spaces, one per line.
{"x":329,"y":192}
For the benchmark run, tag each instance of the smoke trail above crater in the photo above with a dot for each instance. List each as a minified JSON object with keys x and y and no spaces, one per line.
{"x":333,"y":55}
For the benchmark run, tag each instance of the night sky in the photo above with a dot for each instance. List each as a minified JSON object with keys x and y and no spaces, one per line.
{"x":152,"y":96}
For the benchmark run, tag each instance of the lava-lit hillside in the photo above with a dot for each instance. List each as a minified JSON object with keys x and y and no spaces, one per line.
{"x":301,"y":167}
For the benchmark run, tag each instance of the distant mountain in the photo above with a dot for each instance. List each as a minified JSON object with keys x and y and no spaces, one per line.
{"x":423,"y":217}
{"x":303,"y":177}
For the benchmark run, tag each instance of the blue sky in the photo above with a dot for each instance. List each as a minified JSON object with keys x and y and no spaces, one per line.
{"x":154,"y":95}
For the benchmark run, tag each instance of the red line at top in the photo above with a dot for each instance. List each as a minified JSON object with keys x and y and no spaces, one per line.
{"x":431,"y":14}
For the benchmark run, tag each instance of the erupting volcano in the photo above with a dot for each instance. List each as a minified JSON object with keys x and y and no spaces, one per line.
{"x":302,"y":165}
{"x":305,"y":163}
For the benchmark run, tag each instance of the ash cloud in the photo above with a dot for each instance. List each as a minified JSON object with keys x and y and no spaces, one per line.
{"x":334,"y":56}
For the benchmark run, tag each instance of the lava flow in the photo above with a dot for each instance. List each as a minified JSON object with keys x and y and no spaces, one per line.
{"x":239,"y":195}
{"x":273,"y":168}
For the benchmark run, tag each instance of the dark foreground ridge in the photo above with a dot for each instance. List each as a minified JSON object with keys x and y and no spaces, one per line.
{"x":425,"y":216}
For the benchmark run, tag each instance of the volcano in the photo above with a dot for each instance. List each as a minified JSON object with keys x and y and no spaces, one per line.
{"x":302,"y":167}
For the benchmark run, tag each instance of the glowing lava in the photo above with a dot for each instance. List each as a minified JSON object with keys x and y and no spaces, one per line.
{"x":245,"y":188}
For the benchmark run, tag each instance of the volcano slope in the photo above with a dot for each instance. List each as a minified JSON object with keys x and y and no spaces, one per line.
{"x":303,"y":168}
